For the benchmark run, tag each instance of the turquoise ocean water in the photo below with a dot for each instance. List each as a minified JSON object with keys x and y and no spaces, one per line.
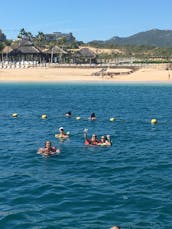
{"x":128,"y":184}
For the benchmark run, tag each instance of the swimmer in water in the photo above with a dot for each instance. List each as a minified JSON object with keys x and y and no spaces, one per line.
{"x":68,"y":114}
{"x":92,"y":117}
{"x":93,"y":141}
{"x":62,"y":134}
{"x":48,"y":149}
{"x":105,"y":141}
{"x":115,"y":227}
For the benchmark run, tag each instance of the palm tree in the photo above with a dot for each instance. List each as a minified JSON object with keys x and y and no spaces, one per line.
{"x":22,"y":34}
{"x":61,"y":42}
{"x":29,"y":36}
{"x":40,"y":39}
{"x":25,"y":35}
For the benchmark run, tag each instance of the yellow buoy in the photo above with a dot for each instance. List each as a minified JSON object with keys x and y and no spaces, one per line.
{"x":112,"y":119}
{"x":44,"y":116}
{"x":78,"y":118}
{"x":14,"y":115}
{"x":154,"y":121}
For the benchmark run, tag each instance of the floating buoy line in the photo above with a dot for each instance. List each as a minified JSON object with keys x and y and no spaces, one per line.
{"x":153,"y":121}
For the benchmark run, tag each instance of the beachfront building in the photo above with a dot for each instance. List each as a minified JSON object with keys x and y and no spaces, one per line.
{"x":21,"y":54}
{"x":24,"y":53}
{"x":83,"y":56}
{"x":55,"y":54}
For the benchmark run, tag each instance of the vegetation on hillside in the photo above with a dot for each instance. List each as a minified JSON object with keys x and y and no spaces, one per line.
{"x":107,"y":50}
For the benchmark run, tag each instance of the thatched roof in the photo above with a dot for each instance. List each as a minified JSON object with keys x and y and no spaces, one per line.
{"x":85,"y":53}
{"x":55,"y":50}
{"x":26,"y":47}
{"x":7,"y":49}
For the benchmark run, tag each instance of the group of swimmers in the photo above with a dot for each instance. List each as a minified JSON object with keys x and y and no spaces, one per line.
{"x":49,"y":150}
{"x":104,"y":140}
{"x":92,"y":116}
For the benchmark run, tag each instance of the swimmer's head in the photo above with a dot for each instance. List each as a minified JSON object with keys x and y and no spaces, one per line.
{"x":68,"y":114}
{"x":94,"y":136}
{"x":47,"y":144}
{"x":61,"y":129}
{"x":115,"y":227}
{"x":93,"y":115}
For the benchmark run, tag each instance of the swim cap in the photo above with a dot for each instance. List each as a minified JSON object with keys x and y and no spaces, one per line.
{"x":61,"y":128}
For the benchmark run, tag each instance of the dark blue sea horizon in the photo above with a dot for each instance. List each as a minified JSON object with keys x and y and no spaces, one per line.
{"x":128,"y":184}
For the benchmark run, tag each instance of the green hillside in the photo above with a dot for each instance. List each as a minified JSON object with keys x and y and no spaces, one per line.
{"x":154,"y":37}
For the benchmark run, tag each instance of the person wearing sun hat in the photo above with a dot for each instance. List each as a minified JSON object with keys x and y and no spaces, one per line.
{"x":62,"y":134}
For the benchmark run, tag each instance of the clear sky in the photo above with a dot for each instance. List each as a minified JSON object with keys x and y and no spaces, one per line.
{"x":86,"y":19}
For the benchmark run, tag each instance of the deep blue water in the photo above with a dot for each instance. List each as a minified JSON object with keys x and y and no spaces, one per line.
{"x":128,"y":184}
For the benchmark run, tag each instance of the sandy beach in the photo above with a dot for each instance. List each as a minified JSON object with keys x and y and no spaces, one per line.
{"x":45,"y":74}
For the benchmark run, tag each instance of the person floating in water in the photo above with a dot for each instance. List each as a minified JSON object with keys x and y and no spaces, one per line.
{"x":92,"y":141}
{"x":115,"y":227}
{"x":48,"y":150}
{"x":62,"y":134}
{"x":105,"y":140}
{"x":68,"y":114}
{"x":92,"y":116}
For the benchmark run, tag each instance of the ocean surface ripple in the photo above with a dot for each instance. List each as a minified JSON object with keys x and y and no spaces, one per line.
{"x":128,"y":184}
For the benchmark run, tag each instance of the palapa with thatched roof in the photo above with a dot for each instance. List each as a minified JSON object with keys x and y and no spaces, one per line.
{"x":26,"y":47}
{"x":23,"y":50}
{"x":7,"y":49}
{"x":84,"y":55}
{"x":54,"y":54}
{"x":5,"y":53}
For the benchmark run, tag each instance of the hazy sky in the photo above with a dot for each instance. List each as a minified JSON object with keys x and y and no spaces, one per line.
{"x":86,"y":19}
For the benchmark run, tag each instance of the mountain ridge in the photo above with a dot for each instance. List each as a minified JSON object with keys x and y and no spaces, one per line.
{"x":153,"y":37}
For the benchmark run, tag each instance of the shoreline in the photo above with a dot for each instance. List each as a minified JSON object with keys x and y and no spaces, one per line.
{"x":84,"y":75}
